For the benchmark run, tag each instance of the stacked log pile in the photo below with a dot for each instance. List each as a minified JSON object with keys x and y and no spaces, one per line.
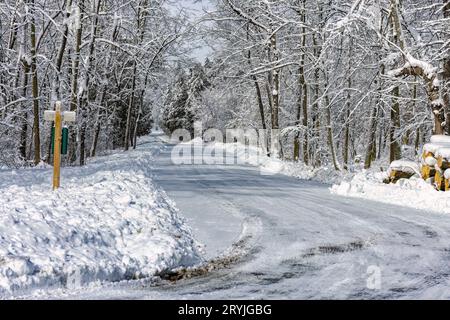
{"x":435,"y":166}
{"x":442,"y":167}
{"x":401,"y":169}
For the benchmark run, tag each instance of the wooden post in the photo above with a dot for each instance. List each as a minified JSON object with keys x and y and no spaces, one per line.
{"x":58,"y":118}
{"x":57,"y":148}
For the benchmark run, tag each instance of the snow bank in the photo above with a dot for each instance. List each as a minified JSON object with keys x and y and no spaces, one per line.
{"x":108,"y":223}
{"x":415,"y":192}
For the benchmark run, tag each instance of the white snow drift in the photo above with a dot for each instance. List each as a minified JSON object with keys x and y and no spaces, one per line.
{"x":414,"y":192}
{"x":405,"y":166}
{"x":107,"y":223}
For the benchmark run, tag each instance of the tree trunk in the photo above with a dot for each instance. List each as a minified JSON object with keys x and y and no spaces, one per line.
{"x":395,"y":152}
{"x":75,"y":75}
{"x":315,"y":106}
{"x":95,"y":137}
{"x":446,"y":69}
{"x":84,"y":96}
{"x":136,"y":125}
{"x":276,"y":84}
{"x":24,"y":128}
{"x":259,"y":99}
{"x":98,"y":125}
{"x":130,"y":110}
{"x":99,"y":120}
{"x":275,"y":94}
{"x":381,"y":135}
{"x":395,"y":148}
{"x":298,"y":118}
{"x":297,"y":124}
{"x":330,"y":132}
{"x":346,"y":150}
{"x":83,"y":142}
{"x":13,"y":28}
{"x":257,"y":88}
{"x":371,"y":152}
{"x":62,"y":49}
{"x":302,"y":102}
{"x":35,"y":89}
{"x":141,"y":23}
{"x":268,"y":92}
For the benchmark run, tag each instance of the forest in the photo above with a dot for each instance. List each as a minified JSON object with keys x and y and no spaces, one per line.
{"x":343,"y":81}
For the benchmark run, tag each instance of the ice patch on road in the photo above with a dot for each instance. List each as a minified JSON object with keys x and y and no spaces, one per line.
{"x":108,"y":223}
{"x":414,"y":193}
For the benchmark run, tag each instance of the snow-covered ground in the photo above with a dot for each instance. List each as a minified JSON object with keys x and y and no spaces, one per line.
{"x":296,"y":238}
{"x":108,"y":222}
{"x":299,"y":240}
{"x":414,"y":193}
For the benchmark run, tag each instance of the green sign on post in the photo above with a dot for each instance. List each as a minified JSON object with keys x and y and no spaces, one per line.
{"x":64,"y":140}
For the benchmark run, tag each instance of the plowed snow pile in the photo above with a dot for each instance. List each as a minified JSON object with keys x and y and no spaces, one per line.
{"x":107,"y":223}
{"x":415,"y":192}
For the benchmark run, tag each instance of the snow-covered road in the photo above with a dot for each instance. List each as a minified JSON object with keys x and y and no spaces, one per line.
{"x":299,"y":240}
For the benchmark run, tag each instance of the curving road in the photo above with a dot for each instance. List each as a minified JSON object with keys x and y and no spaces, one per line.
{"x":297,"y":240}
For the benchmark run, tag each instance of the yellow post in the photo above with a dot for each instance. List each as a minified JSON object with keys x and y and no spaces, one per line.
{"x":57,"y":147}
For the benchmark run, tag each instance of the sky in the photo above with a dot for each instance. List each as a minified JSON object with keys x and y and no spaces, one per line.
{"x":196,"y":8}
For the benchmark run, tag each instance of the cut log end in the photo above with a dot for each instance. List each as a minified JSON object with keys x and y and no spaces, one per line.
{"x":427,"y":172}
{"x":443,"y":163}
{"x":396,"y":175}
{"x":427,"y":154}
